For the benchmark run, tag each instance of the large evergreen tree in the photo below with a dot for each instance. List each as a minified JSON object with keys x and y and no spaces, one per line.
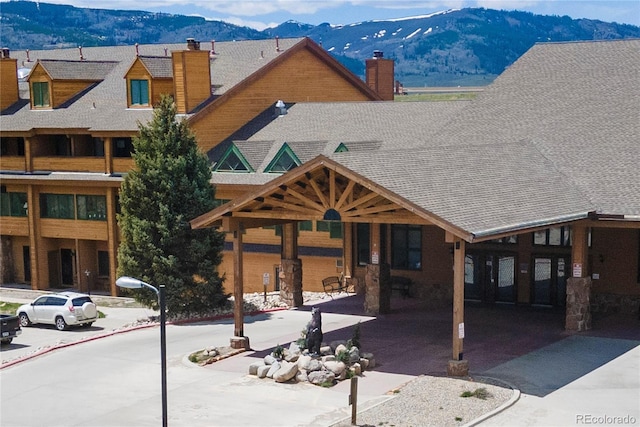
{"x":168,"y":187}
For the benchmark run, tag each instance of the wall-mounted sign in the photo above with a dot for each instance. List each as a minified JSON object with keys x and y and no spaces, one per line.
{"x":577,"y":269}
{"x":374,"y":257}
{"x":461,"y":330}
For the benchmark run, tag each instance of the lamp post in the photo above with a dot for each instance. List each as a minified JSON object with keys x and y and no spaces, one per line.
{"x":132,"y":283}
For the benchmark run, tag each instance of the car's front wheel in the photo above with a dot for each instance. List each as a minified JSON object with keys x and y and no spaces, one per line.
{"x":7,"y":341}
{"x":24,"y":320}
{"x":61,"y":325}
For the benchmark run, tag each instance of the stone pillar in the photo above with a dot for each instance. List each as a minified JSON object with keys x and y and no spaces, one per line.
{"x":291,"y":281}
{"x":578,"y":310}
{"x":377,"y":282}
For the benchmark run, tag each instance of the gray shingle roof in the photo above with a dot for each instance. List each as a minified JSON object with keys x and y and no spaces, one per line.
{"x":104,"y":107}
{"x":555,"y":137}
{"x":159,"y":66}
{"x":77,"y":70}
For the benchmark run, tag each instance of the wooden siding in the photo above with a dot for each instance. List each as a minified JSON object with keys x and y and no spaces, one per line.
{"x":18,"y":243}
{"x":63,"y":90}
{"x":39,"y":75}
{"x":8,"y":82}
{"x":123,"y":164}
{"x":15,"y":226}
{"x":160,"y":87}
{"x":73,"y":229}
{"x":70,"y":164}
{"x":13,"y":163}
{"x":302,"y":78}
{"x":256,"y":264}
{"x":136,"y":72}
{"x":192,"y":78}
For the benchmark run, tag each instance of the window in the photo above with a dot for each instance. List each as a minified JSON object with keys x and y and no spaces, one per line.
{"x":40,"y":94}
{"x":92,"y":207}
{"x":558,"y":236}
{"x":103,"y":264}
{"x":57,"y":206}
{"x":284,"y":161}
{"x":406,"y":241}
{"x":13,"y":204}
{"x":341,"y":148}
{"x":333,"y":227}
{"x":509,"y":240}
{"x":233,"y":161}
{"x":122,"y":147}
{"x":139,"y":92}
{"x":305,"y":226}
{"x":363,"y":234}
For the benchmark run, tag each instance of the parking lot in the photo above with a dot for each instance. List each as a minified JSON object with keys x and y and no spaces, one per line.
{"x":37,"y":339}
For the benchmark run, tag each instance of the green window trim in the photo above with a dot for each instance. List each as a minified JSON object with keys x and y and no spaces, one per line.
{"x":139,"y":92}
{"x":233,"y":161}
{"x":341,"y":148}
{"x":305,"y":226}
{"x":333,"y":227}
{"x":283,"y":161}
{"x":40,"y":94}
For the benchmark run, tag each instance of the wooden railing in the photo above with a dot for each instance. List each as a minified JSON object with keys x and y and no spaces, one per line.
{"x":12,"y":163}
{"x":69,"y":164}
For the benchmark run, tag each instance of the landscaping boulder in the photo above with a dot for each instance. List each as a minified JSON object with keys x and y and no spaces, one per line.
{"x":286,"y":372}
{"x":321,"y":377}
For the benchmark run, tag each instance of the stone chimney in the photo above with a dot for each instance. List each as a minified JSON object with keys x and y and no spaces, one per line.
{"x":380,"y":75}
{"x":8,"y":79}
{"x":191,"y":76}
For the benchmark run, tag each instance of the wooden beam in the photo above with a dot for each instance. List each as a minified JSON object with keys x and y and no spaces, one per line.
{"x":238,"y":291}
{"x":347,"y":192}
{"x":308,"y":202}
{"x":372,"y":210}
{"x":319,"y":193}
{"x":112,"y":240}
{"x":458,"y":298}
{"x":361,"y":200}
{"x":291,"y":206}
{"x":579,"y":251}
{"x":332,"y":188}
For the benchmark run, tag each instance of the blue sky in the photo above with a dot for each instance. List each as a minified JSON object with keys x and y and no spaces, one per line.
{"x":261,"y":14}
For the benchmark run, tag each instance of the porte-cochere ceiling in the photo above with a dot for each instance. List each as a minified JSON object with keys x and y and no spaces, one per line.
{"x":320,"y":189}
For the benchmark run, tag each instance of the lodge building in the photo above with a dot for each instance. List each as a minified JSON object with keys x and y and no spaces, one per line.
{"x":529,"y":194}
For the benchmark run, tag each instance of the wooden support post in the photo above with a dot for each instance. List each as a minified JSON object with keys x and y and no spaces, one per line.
{"x":34,"y":241}
{"x":458,"y":366}
{"x":347,"y":249}
{"x":112,"y":240}
{"x":353,"y":399}
{"x":578,"y":304}
{"x":238,"y":292}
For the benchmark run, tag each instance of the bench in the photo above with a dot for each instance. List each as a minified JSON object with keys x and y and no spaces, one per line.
{"x":402,"y":284}
{"x":334,"y":284}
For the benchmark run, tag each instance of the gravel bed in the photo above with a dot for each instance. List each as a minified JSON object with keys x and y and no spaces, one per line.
{"x":432,"y":401}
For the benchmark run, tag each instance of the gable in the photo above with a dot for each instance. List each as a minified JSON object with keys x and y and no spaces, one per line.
{"x":299,"y":74}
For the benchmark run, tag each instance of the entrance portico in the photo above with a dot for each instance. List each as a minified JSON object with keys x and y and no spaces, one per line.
{"x":324,"y":190}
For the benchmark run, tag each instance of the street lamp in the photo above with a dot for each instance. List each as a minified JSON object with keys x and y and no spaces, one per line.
{"x":132,"y":283}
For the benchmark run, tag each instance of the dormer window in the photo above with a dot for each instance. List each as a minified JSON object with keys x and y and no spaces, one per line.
{"x":40,"y":94}
{"x":139,"y":92}
{"x":233,"y":161}
{"x":284,"y":161}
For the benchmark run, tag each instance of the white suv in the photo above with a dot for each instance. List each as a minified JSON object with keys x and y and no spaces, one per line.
{"x":62,"y":309}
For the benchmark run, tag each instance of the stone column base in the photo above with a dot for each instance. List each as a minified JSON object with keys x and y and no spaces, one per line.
{"x":240,"y":342}
{"x":458,"y":368}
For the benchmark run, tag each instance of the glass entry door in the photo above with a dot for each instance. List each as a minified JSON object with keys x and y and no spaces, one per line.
{"x":549,"y":285}
{"x":490,"y":277}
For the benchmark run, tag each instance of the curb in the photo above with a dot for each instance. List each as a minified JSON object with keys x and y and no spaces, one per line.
{"x":509,"y":403}
{"x":132,"y":328}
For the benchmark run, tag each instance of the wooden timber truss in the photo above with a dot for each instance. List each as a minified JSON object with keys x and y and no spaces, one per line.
{"x":319,"y":190}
